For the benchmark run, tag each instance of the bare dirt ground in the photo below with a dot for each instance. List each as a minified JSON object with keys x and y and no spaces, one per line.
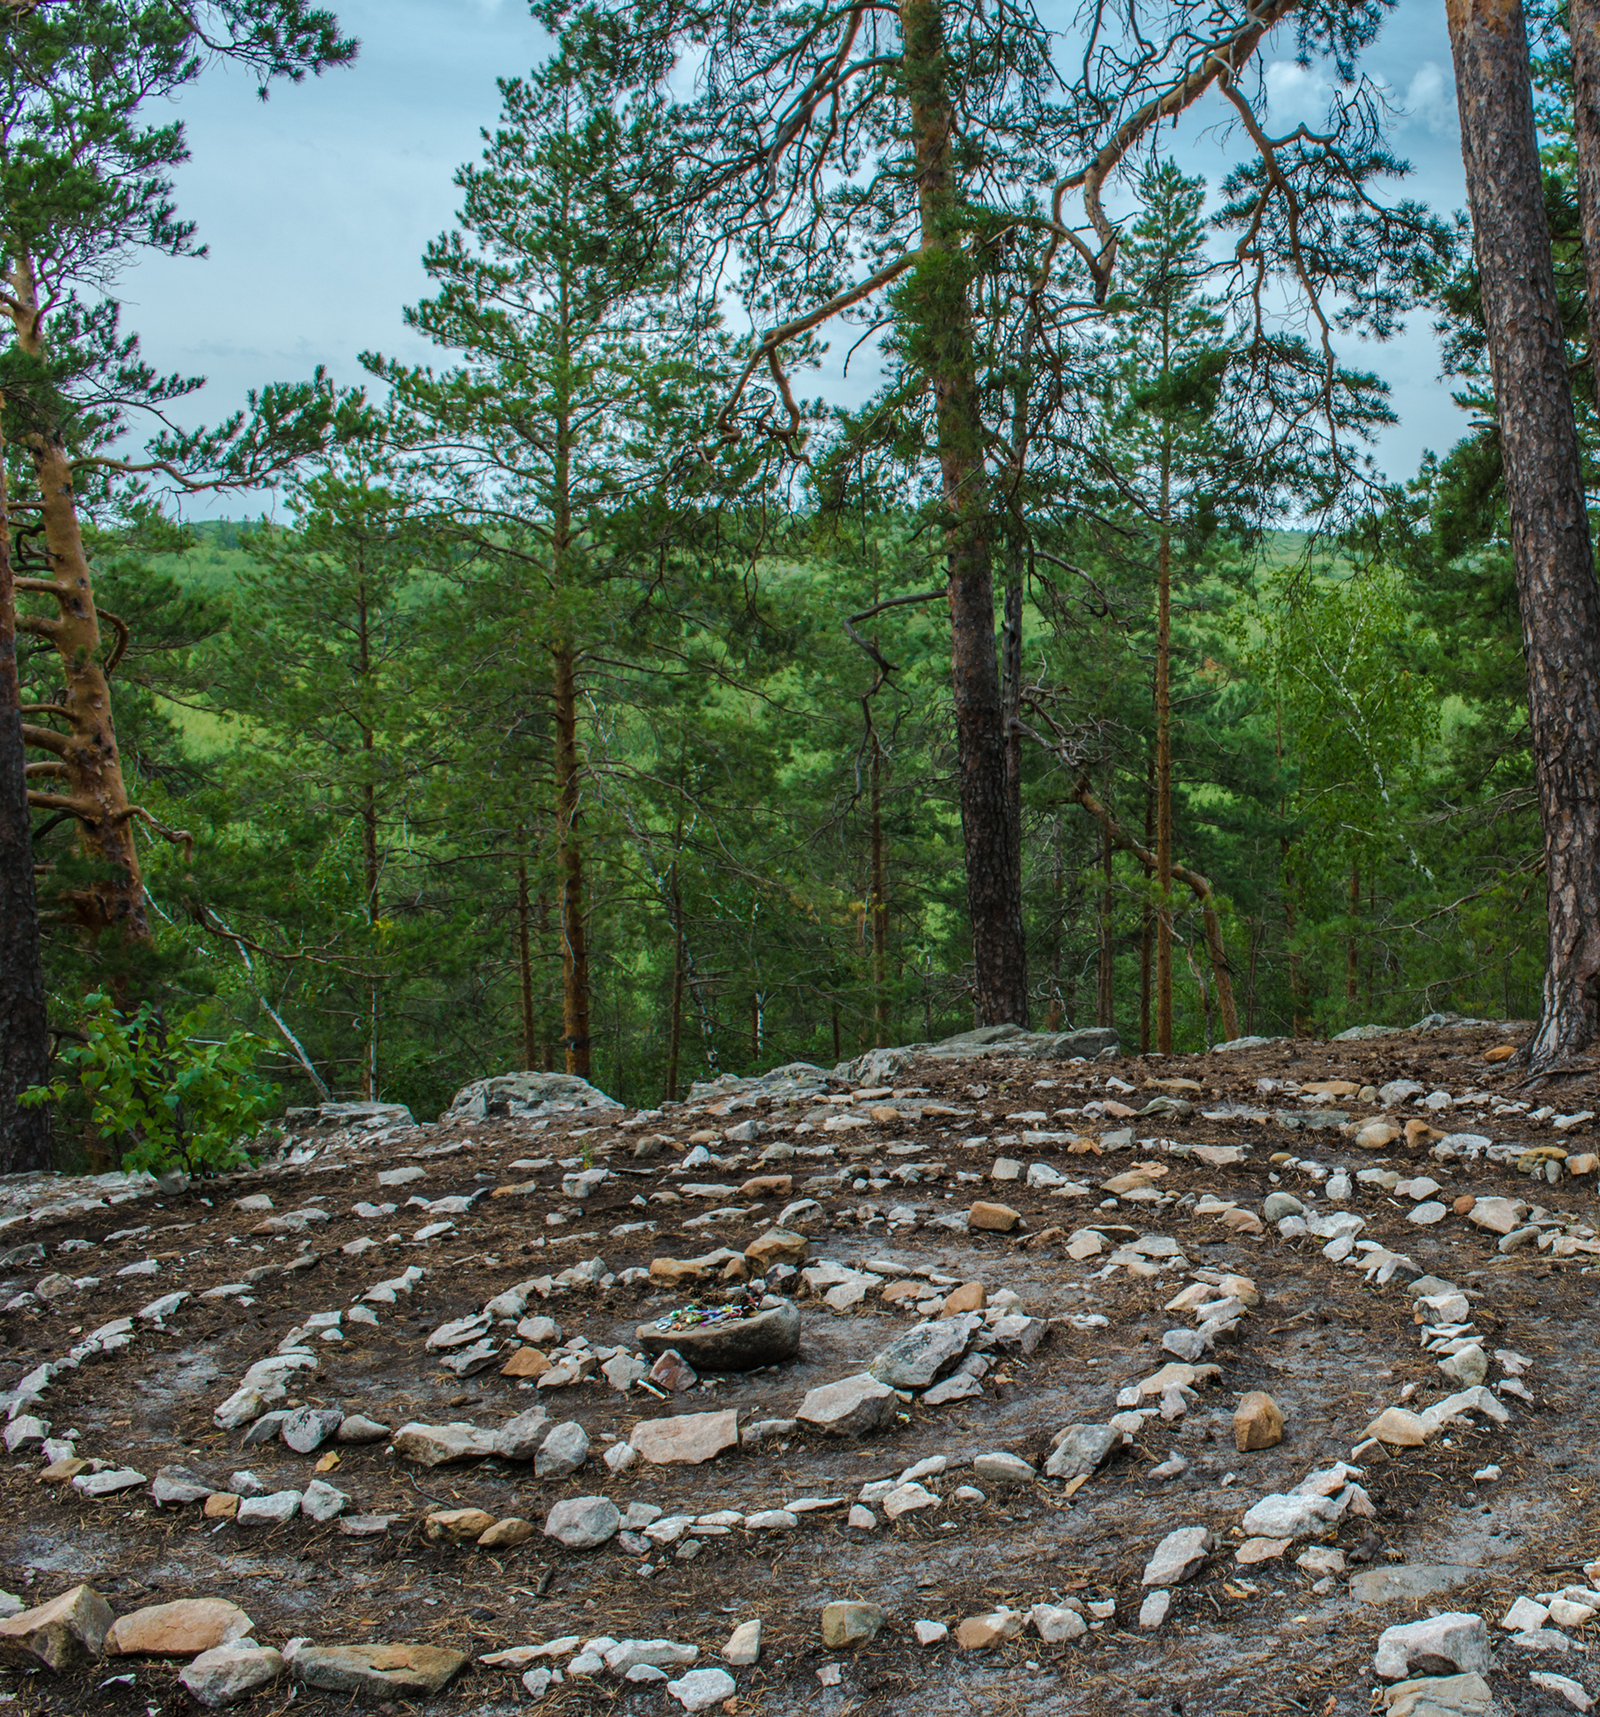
{"x":1332,"y":1344}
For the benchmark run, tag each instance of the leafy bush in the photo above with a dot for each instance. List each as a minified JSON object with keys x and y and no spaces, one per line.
{"x":162,"y":1096}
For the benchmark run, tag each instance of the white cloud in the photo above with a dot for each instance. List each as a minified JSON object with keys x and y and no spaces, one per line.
{"x":1430,"y":99}
{"x":1296,"y":95}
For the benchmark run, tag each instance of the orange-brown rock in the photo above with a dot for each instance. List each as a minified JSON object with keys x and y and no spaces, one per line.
{"x":777,"y":1246}
{"x":525,"y":1362}
{"x":1257,"y":1422}
{"x":507,"y":1534}
{"x":184,"y":1628}
{"x":458,"y":1525}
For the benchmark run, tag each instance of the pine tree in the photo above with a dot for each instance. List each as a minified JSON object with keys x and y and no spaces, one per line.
{"x":1550,"y":538}
{"x":331,"y":670}
{"x":573,"y":345}
{"x":1175,"y":454}
{"x":84,"y":186}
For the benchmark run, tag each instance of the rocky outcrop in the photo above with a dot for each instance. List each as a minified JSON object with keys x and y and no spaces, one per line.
{"x":879,"y":1065}
{"x":517,"y":1096}
{"x":368,"y":1115}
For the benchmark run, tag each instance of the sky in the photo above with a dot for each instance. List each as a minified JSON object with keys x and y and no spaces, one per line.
{"x":316,"y":205}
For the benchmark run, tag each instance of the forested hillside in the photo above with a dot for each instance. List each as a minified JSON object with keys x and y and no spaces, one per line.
{"x":592,"y":698}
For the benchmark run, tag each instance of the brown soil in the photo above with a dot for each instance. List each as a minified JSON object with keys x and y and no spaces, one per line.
{"x":1332,"y":1350}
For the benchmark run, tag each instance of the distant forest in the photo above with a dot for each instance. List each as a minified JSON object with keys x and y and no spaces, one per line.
{"x":594,"y":699}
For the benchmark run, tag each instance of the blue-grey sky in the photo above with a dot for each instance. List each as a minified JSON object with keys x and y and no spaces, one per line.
{"x":316,"y":205}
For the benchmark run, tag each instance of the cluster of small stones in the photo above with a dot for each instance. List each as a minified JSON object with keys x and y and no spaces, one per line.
{"x":942,"y":1358}
{"x":1438,"y":1666}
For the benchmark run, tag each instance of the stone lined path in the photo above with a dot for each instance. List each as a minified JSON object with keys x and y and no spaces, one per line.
{"x":1119,"y":1384}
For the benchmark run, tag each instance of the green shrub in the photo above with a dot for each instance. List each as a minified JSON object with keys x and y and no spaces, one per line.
{"x":162,"y":1096}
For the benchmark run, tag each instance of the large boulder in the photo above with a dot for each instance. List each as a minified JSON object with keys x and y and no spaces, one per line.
{"x":61,"y":1634}
{"x":735,"y":1344}
{"x":1456,"y":1643}
{"x":793,"y":1079}
{"x":439,"y":1445}
{"x":372,"y":1117}
{"x":924,"y":1353}
{"x":376,"y":1669}
{"x":519,"y":1095}
{"x":880,"y":1065}
{"x":183,"y":1628}
{"x":686,"y":1439}
{"x":231,"y":1672}
{"x":583,"y":1522}
{"x":851,"y":1407}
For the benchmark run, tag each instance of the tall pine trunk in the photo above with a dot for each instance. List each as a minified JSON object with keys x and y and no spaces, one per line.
{"x":1147,"y":915}
{"x":574,"y":923}
{"x":1011,"y":722}
{"x":1105,"y":996}
{"x":369,"y":847}
{"x":1164,"y":758}
{"x":1352,"y":950}
{"x":880,"y":907}
{"x":573,"y":920}
{"x":1299,"y":990}
{"x":675,"y":1018}
{"x":936,"y":320}
{"x":24,"y":1030}
{"x":530,"y":1040}
{"x":1583,"y":25}
{"x":1059,"y":1007}
{"x":1550,"y":543}
{"x":84,"y":758}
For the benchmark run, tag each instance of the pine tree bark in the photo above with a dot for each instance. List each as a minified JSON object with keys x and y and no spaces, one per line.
{"x":1059,"y":1008}
{"x":1164,"y":759}
{"x":1550,"y":543}
{"x":369,"y":845}
{"x":1299,"y":990}
{"x":541,"y":924}
{"x":530,"y":1043}
{"x":879,"y":906}
{"x":1105,"y":993}
{"x":1147,"y":916}
{"x":936,"y":319}
{"x":1114,"y":835}
{"x":84,"y":758}
{"x":1352,"y":961}
{"x":1010,"y":720}
{"x":675,"y":1017}
{"x":24,"y":1028}
{"x":1583,"y":27}
{"x":569,"y":862}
